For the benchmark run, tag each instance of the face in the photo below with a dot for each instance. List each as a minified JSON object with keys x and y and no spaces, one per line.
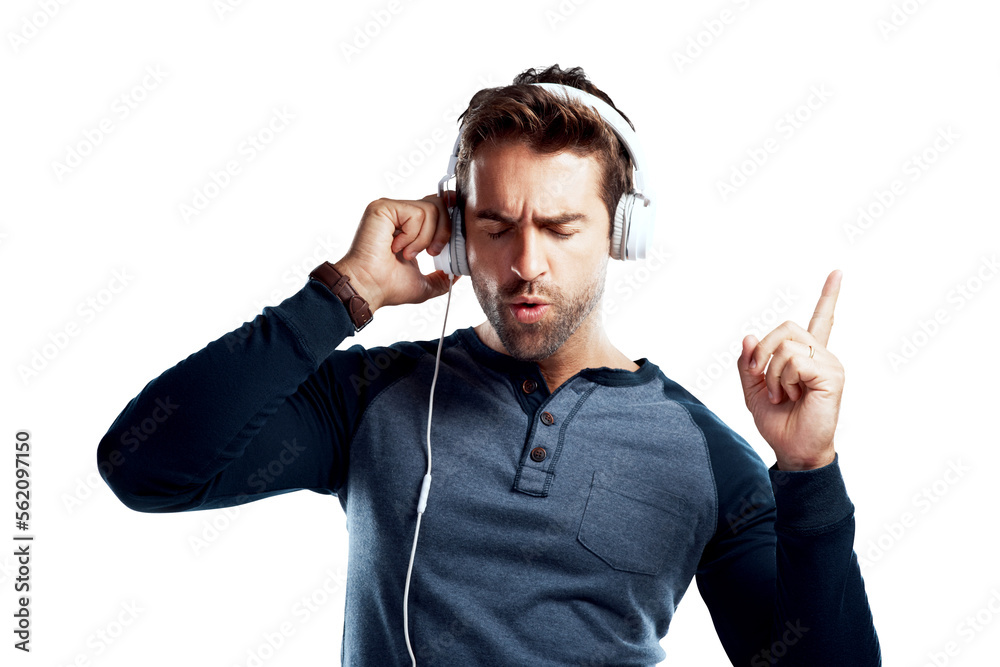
{"x":537,"y":243}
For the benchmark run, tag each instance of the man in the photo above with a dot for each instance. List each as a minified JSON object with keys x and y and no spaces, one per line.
{"x":576,"y":492}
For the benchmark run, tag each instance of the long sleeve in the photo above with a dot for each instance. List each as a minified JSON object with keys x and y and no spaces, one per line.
{"x":253,"y":414}
{"x":780,"y":577}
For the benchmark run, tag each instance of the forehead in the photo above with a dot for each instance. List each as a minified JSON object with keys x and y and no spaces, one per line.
{"x":514,"y":174}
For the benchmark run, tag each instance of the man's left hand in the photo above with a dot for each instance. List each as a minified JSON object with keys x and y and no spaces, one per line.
{"x":795,"y":399}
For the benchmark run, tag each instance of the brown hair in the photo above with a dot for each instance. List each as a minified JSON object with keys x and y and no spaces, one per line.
{"x":547,"y":124}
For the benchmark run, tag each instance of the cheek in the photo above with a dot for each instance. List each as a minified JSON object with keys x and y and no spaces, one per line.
{"x":592,"y":249}
{"x":482,"y":266}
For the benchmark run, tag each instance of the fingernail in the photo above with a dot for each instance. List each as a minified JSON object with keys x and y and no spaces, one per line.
{"x":753,"y":363}
{"x":435,"y":248}
{"x":770,"y":396}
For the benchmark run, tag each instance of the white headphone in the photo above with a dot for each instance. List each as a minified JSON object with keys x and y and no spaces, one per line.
{"x":633,"y":223}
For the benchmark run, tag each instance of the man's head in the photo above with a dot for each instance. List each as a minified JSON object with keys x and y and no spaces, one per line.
{"x":539,"y":178}
{"x":534,"y":116}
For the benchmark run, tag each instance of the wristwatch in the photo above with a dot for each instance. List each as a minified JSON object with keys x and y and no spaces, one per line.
{"x":357,"y":308}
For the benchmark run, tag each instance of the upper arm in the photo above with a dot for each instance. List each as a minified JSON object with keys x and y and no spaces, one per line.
{"x":737,"y":572}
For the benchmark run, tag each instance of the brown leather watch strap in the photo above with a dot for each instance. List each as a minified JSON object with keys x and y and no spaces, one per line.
{"x":357,"y":308}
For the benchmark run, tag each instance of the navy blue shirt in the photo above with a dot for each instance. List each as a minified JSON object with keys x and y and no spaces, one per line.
{"x":561,"y":527}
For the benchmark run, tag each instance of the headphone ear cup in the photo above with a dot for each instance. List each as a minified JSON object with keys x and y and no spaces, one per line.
{"x":457,"y":243}
{"x":619,"y":228}
{"x":452,"y":259}
{"x":633,"y":226}
{"x":640,"y":232}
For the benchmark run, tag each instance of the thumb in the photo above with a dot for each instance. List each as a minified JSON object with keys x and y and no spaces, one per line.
{"x":752,"y":382}
{"x":436,"y":284}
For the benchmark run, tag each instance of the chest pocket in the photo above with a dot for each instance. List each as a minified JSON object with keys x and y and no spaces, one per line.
{"x":634,"y":527}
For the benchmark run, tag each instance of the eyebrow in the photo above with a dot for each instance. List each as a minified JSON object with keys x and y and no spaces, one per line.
{"x":491,"y":214}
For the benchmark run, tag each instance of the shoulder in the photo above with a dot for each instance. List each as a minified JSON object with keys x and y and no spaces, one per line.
{"x":734,"y":462}
{"x":366,"y":371}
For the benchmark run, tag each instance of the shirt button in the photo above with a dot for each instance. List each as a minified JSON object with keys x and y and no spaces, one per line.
{"x":529,"y":386}
{"x":538,"y":454}
{"x":548,"y":419}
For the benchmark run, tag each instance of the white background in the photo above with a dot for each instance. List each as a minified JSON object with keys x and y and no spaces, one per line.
{"x":360,"y":116}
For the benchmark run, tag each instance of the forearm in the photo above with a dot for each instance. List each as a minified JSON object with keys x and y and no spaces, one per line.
{"x":822,"y":616}
{"x":782,"y":561}
{"x":171,"y":446}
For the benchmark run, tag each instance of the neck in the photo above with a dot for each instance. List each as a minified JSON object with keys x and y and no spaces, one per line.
{"x":588,"y":347}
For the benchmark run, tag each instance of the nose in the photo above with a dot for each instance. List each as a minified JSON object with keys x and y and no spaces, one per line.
{"x":529,"y":261}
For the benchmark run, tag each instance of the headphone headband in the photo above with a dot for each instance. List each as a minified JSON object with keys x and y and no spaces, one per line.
{"x":608,"y":113}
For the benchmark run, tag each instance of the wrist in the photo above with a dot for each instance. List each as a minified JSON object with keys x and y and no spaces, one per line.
{"x":362,"y":282}
{"x":801,"y":464}
{"x":339,"y":284}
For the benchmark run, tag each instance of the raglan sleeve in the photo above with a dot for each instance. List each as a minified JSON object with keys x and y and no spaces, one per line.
{"x":780,"y":576}
{"x":265,"y":409}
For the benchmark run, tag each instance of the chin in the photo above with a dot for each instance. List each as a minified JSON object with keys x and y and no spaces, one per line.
{"x":528,"y":342}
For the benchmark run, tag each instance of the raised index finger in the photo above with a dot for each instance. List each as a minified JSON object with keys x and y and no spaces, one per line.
{"x":822,"y":319}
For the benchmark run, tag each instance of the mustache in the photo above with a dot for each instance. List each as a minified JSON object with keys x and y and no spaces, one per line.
{"x":525,"y":288}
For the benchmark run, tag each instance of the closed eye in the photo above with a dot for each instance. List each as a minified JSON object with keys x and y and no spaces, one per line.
{"x":552,"y":229}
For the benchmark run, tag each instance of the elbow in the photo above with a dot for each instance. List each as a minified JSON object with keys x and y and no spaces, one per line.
{"x":132,"y":479}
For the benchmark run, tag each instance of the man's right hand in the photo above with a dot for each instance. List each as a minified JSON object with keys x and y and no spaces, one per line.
{"x":381,"y":262}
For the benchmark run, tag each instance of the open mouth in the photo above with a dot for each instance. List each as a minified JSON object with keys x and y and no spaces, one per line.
{"x":527,"y":312}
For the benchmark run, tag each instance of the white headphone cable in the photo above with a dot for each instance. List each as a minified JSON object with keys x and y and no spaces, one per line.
{"x":426,"y":486}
